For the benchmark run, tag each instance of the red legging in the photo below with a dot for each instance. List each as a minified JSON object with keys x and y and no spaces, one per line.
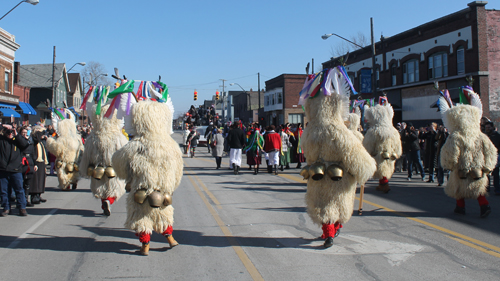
{"x":481,"y":200}
{"x":329,"y":230}
{"x":145,"y":238}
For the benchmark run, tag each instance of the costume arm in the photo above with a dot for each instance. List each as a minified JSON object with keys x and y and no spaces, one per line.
{"x":490,"y":153}
{"x":84,"y":160}
{"x":450,"y":152}
{"x":398,"y":148}
{"x":54,"y":147}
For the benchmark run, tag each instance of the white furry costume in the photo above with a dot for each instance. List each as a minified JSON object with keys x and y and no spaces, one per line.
{"x":466,"y":149}
{"x":382,"y":141}
{"x":327,"y":140}
{"x":152,"y":160}
{"x":354,"y":122}
{"x":67,"y":148}
{"x":104,"y":140}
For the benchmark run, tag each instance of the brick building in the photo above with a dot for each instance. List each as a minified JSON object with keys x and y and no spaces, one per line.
{"x":453,"y":50}
{"x":281,"y":100}
{"x":14,"y":99}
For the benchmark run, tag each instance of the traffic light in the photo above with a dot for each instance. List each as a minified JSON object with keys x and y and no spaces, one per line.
{"x":217,"y":95}
{"x":195,"y":95}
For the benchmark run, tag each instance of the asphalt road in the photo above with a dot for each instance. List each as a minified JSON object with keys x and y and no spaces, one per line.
{"x":251,"y":227}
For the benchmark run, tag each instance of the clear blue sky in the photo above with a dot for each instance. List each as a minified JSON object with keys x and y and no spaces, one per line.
{"x":194,"y":44}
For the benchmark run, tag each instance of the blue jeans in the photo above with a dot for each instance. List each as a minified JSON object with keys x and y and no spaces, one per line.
{"x":441,"y":173}
{"x":16,"y":182}
{"x":496,"y":180}
{"x":414,"y":156}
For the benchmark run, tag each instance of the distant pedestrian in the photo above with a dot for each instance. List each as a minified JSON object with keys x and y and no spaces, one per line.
{"x":272,"y":146}
{"x":235,"y":141}
{"x":254,"y":147}
{"x":218,"y":147}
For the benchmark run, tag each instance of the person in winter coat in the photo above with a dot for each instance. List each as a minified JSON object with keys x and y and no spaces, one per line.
{"x":11,"y":167}
{"x":235,"y":140}
{"x":218,"y":147}
{"x":38,"y":183}
{"x":208,"y":134}
{"x":272,"y":146}
{"x":192,"y":140}
{"x":28,"y":162}
{"x":410,"y":137}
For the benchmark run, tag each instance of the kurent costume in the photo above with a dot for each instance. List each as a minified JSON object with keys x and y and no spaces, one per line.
{"x":100,"y":145}
{"x":467,"y":153}
{"x":151,"y":163}
{"x":354,"y":123}
{"x":336,"y":159}
{"x":67,"y":147}
{"x":383,"y":142}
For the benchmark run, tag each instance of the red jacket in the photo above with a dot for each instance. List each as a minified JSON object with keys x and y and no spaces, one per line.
{"x":272,"y":142}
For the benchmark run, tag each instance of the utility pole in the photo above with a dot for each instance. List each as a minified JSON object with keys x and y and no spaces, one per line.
{"x":374,"y":68}
{"x":258,"y":109}
{"x":53,"y":82}
{"x":223,"y":101}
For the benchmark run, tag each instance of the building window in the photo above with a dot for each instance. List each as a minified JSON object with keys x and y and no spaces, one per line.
{"x":280,"y":100}
{"x":393,"y":74}
{"x":438,"y":65}
{"x":295,"y":118}
{"x":7,"y":81}
{"x":460,"y":60}
{"x":410,"y":71}
{"x":273,"y":99}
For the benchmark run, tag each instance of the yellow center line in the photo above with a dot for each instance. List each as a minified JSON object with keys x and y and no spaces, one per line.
{"x":491,"y":249}
{"x":250,"y":267}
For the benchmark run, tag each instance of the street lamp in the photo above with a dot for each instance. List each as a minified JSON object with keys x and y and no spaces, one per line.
{"x":374,"y":68}
{"x":58,"y":80}
{"x":32,"y":2}
{"x":326,"y":36}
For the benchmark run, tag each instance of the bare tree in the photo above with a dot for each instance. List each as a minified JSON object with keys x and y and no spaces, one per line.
{"x":95,"y":74}
{"x":343,"y":47}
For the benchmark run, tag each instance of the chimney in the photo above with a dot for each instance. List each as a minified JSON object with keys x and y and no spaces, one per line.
{"x":17,"y":66}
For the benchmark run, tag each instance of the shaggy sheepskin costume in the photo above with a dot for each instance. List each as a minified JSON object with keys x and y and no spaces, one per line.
{"x":326,"y":140}
{"x":68,"y":148}
{"x":354,"y":122}
{"x":468,"y":154}
{"x":383,"y":142}
{"x":151,"y":163}
{"x":100,"y":145}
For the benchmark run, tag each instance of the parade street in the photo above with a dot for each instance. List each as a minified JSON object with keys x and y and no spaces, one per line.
{"x":254,"y":227}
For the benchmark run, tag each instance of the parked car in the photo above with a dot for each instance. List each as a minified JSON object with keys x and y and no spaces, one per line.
{"x":201,"y":130}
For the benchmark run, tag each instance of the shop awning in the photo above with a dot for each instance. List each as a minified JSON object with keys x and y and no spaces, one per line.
{"x":9,"y":112}
{"x":27,"y":108}
{"x":7,"y":105}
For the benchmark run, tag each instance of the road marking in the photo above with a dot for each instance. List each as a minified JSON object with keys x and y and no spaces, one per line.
{"x":31,"y":229}
{"x":490,"y":249}
{"x":395,"y":252}
{"x":210,"y":194}
{"x":250,"y":267}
